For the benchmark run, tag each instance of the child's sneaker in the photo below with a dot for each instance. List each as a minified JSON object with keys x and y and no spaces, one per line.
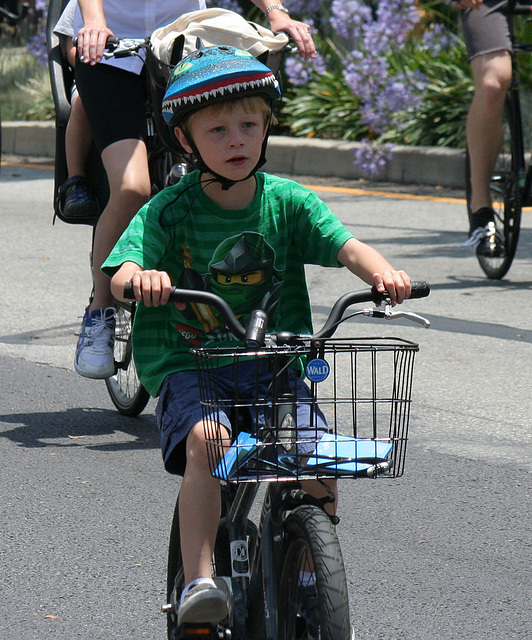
{"x":77,"y":199}
{"x":95,"y":349}
{"x":203,"y":603}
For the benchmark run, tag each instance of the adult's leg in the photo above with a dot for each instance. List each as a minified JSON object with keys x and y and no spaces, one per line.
{"x":114,"y":101}
{"x":126,"y":165}
{"x":492,"y":75}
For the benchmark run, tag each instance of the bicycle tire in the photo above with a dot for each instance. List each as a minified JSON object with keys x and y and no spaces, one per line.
{"x":506,"y":193}
{"x":309,"y":536}
{"x":125,"y":389}
{"x":175,"y":575}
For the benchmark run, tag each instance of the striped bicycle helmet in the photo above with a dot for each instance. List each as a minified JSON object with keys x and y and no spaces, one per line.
{"x":212,"y":75}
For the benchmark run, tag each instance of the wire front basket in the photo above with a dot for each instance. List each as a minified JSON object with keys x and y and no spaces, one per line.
{"x":349,"y":419}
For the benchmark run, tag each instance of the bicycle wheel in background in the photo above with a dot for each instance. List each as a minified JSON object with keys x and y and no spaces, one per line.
{"x":126,"y":391}
{"x":506,"y":191}
{"x":312,"y":588}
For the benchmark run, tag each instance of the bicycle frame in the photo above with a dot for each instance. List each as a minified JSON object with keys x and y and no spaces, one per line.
{"x":513,"y":109}
{"x":263,"y":558}
{"x":511,"y":179}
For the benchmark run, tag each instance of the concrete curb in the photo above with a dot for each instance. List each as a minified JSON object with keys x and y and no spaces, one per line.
{"x":433,"y":166}
{"x":28,"y":139}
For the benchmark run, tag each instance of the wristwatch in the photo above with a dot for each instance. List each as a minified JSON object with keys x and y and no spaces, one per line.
{"x":276,"y":6}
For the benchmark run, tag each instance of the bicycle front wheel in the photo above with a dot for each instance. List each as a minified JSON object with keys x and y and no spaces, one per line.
{"x":125,"y":389}
{"x":312,"y":589}
{"x":506,"y":192}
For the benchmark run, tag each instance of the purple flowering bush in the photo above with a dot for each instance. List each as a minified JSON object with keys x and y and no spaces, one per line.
{"x":377,"y":59}
{"x":37,"y":43}
{"x":387,"y":72}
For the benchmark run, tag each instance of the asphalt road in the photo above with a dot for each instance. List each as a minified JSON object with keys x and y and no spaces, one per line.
{"x":442,"y":554}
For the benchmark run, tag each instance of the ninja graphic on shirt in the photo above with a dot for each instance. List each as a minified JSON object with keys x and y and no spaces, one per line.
{"x":242,"y":272}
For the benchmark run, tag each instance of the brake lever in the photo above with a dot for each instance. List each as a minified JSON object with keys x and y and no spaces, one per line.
{"x":387,"y":312}
{"x":123,"y":49}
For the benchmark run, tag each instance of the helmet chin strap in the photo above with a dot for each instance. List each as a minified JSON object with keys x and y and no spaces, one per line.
{"x":227,"y":183}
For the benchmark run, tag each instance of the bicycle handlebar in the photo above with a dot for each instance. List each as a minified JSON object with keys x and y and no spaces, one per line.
{"x":15,"y":17}
{"x":124,"y":47}
{"x":254,"y":334}
{"x":518,"y":8}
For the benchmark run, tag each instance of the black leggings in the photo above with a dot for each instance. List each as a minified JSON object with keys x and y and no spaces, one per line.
{"x":114,"y":101}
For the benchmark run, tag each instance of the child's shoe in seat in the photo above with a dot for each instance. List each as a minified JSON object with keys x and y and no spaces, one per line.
{"x":77,"y":199}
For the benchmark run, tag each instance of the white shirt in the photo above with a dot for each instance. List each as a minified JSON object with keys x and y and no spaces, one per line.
{"x":129,"y":19}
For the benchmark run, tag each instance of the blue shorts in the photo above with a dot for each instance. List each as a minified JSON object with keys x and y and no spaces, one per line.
{"x":179,"y":407}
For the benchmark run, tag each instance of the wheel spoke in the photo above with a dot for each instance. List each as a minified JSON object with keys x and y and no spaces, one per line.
{"x":126,"y":391}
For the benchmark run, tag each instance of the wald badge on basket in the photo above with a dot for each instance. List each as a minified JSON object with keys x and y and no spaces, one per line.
{"x":317,"y":370}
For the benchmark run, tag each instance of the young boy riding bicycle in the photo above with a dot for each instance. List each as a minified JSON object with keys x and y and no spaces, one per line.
{"x":242,"y":234}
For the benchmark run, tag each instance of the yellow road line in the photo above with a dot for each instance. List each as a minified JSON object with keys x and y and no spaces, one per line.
{"x":50,"y":167}
{"x":345,"y":190}
{"x":384,"y":194}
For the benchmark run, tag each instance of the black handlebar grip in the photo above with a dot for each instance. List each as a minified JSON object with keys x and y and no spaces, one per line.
{"x":128,"y":291}
{"x":420,"y":289}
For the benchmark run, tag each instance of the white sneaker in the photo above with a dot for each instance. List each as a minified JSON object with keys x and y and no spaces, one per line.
{"x":95,"y":349}
{"x":203,"y":603}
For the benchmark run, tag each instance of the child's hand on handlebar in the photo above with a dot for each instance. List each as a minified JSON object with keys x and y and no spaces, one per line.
{"x":396,"y":283}
{"x":151,"y":287}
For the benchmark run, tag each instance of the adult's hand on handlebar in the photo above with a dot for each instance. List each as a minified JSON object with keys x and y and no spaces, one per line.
{"x":299,"y":32}
{"x":396,"y":283}
{"x":468,"y":4}
{"x":91,"y":42}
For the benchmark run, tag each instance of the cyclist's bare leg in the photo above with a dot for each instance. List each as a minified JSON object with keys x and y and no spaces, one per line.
{"x":199,"y":508}
{"x":318,"y":490}
{"x":78,"y":139}
{"x":126,"y":165}
{"x":492,"y":75}
{"x":78,"y":136}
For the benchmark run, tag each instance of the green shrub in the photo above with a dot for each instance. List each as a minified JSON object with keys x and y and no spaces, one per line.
{"x":440,"y":119}
{"x":25,"y":86}
{"x":324,"y":108}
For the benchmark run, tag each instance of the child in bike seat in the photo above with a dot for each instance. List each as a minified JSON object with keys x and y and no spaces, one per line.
{"x":77,"y":199}
{"x":242,"y":234}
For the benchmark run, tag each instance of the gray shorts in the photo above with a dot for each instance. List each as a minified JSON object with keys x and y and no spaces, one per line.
{"x":179,"y":408}
{"x":487,"y":29}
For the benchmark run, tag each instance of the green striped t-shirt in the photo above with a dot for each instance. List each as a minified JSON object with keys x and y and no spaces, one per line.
{"x":252,"y":257}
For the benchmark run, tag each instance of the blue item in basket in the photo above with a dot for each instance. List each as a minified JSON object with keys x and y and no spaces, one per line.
{"x":344,"y":453}
{"x":333,"y":453}
{"x":237,"y":455}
